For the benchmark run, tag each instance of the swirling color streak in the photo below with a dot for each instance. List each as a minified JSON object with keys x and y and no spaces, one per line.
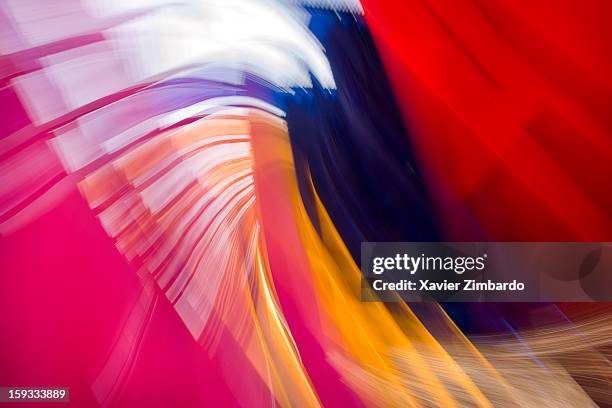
{"x":206,"y":205}
{"x":191,"y":194}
